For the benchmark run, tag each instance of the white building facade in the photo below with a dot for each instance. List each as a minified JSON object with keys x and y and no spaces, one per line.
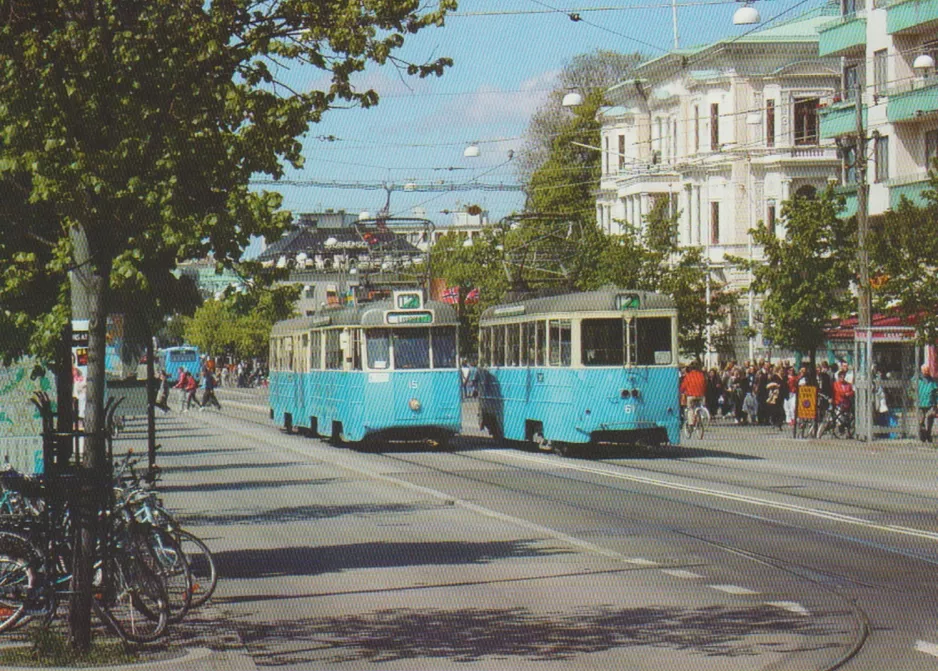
{"x":725,"y":134}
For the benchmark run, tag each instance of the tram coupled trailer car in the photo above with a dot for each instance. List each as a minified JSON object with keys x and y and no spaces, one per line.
{"x":386,"y":370}
{"x":590,"y":367}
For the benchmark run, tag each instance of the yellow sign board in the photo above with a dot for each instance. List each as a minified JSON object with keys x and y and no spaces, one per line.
{"x":807,"y":402}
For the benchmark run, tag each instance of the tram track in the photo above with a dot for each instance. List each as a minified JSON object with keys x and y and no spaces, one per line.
{"x":861,"y":625}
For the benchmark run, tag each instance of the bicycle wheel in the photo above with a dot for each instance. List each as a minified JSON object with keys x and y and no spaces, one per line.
{"x":132,"y":601}
{"x":704,"y":417}
{"x":17,"y":579}
{"x":701,"y":423}
{"x":163,"y":554}
{"x":686,"y":428}
{"x":201,"y":566}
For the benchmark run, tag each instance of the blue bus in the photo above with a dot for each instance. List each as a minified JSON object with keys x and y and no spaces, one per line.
{"x":591,"y":367}
{"x":386,"y":370}
{"x":186,"y":356}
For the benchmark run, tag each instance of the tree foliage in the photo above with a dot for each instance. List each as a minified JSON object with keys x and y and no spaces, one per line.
{"x":590,"y":74}
{"x":238,"y":324}
{"x":128,"y":135}
{"x":805,"y":277}
{"x":904,"y":256}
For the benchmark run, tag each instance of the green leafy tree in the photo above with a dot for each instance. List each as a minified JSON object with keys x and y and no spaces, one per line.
{"x":904,"y":255}
{"x":805,"y":277}
{"x":135,"y":127}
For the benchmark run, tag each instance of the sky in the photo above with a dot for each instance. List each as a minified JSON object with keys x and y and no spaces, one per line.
{"x":507,"y":55}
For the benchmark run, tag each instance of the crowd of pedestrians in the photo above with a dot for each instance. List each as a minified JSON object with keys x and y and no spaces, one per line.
{"x":766,"y":393}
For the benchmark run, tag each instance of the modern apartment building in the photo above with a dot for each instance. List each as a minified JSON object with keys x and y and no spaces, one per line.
{"x":725,"y":133}
{"x":887,"y":53}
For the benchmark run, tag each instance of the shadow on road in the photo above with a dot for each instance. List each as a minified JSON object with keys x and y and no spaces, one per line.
{"x":471,"y":635}
{"x":313,"y":560}
{"x":244,"y":484}
{"x":298,"y":514}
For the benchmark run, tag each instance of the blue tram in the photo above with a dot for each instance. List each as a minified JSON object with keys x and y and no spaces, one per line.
{"x":579,"y":368}
{"x":171,"y":359}
{"x":386,"y":370}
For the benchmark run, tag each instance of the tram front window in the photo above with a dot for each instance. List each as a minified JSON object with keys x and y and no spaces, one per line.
{"x":411,"y":348}
{"x":378,"y":348}
{"x":444,"y":347}
{"x":602,"y":342}
{"x":651,"y":341}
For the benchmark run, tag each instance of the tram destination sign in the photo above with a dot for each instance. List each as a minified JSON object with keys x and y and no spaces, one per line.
{"x":409,"y":318}
{"x":628,"y":301}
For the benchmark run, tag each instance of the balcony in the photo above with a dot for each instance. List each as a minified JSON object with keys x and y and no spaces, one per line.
{"x":838,"y":37}
{"x":910,"y":187}
{"x":919,"y":97}
{"x":839,"y":119}
{"x":910,"y":15}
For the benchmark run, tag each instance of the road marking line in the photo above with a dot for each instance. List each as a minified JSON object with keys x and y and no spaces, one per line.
{"x":640,"y":562}
{"x":741,"y":498}
{"x":927,"y":648}
{"x":733,"y":589}
{"x":681,"y":573}
{"x":790,"y":606}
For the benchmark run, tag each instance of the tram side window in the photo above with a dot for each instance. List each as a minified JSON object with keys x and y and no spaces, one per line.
{"x":444,"y":347}
{"x":303,"y":358}
{"x":333,"y":350}
{"x":274,"y":354}
{"x":602,"y":342}
{"x":540,"y":348}
{"x":527,"y":344}
{"x":316,"y":341}
{"x":514,"y":355}
{"x":652,"y":344}
{"x":411,"y":348}
{"x":498,"y":346}
{"x":288,"y":353}
{"x":484,"y":346}
{"x":355,"y":341}
{"x":378,"y":348}
{"x":559,"y":330}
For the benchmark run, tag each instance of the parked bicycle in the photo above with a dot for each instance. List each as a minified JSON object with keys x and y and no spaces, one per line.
{"x":838,"y":421}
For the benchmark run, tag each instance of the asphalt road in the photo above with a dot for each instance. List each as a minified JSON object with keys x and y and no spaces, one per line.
{"x":746,"y":550}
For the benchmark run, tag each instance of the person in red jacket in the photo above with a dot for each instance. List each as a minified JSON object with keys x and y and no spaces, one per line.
{"x":843,"y":392}
{"x":694,"y":389}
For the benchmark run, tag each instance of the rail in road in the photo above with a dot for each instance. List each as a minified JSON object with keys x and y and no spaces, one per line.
{"x":866,"y":542}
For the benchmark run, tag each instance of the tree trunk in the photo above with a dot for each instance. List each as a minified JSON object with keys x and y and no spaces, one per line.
{"x":151,"y":400}
{"x":89,"y":281}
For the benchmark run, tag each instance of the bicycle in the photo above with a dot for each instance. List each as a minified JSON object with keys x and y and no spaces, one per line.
{"x":839,"y":421}
{"x":702,"y":418}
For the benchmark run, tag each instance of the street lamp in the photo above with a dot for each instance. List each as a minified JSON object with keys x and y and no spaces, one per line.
{"x":572,"y":99}
{"x":923,"y":62}
{"x":746,"y":15}
{"x":472,"y":151}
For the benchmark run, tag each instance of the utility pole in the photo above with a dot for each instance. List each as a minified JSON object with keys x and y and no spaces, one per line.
{"x":864,"y":308}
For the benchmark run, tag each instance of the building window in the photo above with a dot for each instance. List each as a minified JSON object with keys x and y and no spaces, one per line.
{"x":714,"y":223}
{"x":849,"y":155}
{"x":851,"y":80}
{"x":931,"y":149}
{"x":850,"y":7}
{"x":770,"y":222}
{"x":880,"y":77}
{"x":696,"y":128}
{"x":606,"y":155}
{"x":881,"y":156}
{"x":621,"y":151}
{"x":714,"y":127}
{"x":769,"y":123}
{"x":806,"y":121}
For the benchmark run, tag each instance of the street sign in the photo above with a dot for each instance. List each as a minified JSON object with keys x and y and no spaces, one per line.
{"x":807,"y":402}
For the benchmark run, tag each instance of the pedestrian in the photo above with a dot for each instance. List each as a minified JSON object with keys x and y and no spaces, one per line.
{"x":162,"y":396}
{"x":714,"y":391}
{"x":760,"y":389}
{"x":208,"y":390}
{"x":843,"y":392}
{"x":927,"y":398}
{"x":792,"y":380}
{"x":694,"y":390}
{"x":181,"y":386}
{"x":775,"y":389}
{"x":190,"y":386}
{"x":464,"y":378}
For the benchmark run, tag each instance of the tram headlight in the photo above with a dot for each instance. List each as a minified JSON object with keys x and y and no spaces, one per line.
{"x":635,"y":393}
{"x":414,"y":404}
{"x":624,"y":393}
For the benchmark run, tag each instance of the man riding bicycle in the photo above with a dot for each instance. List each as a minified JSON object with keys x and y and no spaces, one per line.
{"x":694,"y":389}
